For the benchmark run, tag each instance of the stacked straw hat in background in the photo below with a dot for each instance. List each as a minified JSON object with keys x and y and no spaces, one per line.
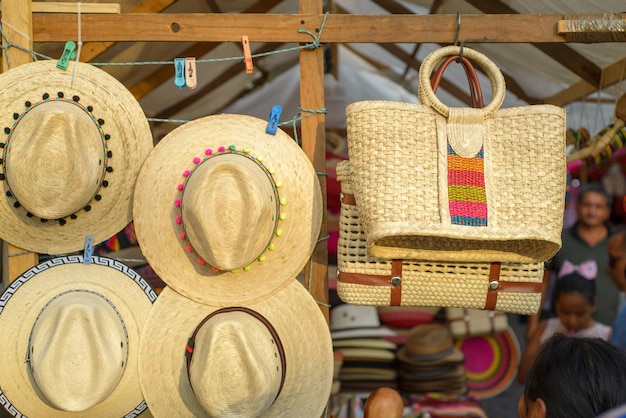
{"x":368,"y":357}
{"x":430,"y":362}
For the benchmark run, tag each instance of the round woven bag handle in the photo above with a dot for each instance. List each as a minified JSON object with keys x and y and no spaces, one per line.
{"x":498,"y":86}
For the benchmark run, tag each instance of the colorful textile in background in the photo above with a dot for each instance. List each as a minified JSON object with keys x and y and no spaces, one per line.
{"x":124,"y":239}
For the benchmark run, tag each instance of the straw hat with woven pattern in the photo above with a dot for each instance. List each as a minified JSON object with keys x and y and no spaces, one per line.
{"x":226,"y":213}
{"x":72,"y":145}
{"x":272,"y":358}
{"x":70,"y":339}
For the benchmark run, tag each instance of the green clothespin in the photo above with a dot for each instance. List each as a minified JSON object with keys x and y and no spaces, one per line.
{"x":69,"y":53}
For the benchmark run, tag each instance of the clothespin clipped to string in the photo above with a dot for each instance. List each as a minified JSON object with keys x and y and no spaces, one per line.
{"x":190,"y":73}
{"x":88,"y":252}
{"x":272,"y":124}
{"x":69,"y":53}
{"x":247,"y":55}
{"x":179,"y":73}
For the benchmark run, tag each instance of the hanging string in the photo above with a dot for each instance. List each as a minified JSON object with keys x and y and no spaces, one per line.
{"x":9,"y":44}
{"x":310,"y":46}
{"x":298,"y":117}
{"x":80,"y":45}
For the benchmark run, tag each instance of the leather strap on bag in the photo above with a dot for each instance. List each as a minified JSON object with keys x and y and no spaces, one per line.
{"x":474,"y":84}
{"x":394,"y":280}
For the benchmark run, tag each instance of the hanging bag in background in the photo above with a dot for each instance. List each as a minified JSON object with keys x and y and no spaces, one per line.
{"x":458,"y":184}
{"x":366,"y":280}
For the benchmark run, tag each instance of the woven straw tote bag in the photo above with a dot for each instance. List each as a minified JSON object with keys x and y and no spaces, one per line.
{"x":458,"y":184}
{"x":363,"y":279}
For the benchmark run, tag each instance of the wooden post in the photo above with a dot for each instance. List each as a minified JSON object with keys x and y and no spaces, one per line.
{"x":18,"y":29}
{"x":314,"y":145}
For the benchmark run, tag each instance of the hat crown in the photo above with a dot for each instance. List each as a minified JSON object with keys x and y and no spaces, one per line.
{"x":428,"y":339}
{"x":54,"y":160}
{"x":348,"y":316}
{"x":229,"y":211}
{"x":236,"y":366}
{"x":78,"y":350}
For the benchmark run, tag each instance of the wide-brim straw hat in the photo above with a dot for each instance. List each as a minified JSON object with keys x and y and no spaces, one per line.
{"x":31,"y":326}
{"x":491,"y":362}
{"x":300,"y":329}
{"x":226,"y":213}
{"x":72,"y":145}
{"x":429,"y":344}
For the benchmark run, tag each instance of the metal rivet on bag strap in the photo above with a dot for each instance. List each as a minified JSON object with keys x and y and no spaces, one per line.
{"x":396,"y":281}
{"x":494,"y":285}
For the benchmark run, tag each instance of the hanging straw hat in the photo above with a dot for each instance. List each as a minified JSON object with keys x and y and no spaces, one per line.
{"x":226,"y":213}
{"x":70,"y":339}
{"x":71,"y":150}
{"x":272,"y":358}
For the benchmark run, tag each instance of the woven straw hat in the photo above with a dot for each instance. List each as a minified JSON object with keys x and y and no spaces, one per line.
{"x":272,"y":358}
{"x":225,"y":213}
{"x":429,"y":344}
{"x":355,"y":321}
{"x":71,"y":151}
{"x":70,"y":339}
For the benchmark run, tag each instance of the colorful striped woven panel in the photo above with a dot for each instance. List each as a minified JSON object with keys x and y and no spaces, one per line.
{"x":466,"y":189}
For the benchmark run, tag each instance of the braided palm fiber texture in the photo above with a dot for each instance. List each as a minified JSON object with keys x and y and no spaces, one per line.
{"x":424,"y":283}
{"x":398,"y":154}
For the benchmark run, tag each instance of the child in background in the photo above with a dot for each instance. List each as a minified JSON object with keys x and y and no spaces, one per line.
{"x":574,"y":301}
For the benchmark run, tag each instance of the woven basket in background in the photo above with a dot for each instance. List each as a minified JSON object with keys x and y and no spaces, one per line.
{"x":367,"y":280}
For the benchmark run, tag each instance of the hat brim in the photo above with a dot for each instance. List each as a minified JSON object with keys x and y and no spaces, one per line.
{"x":456,"y":356}
{"x":364,"y":343}
{"x":130,"y":142}
{"x":292,"y":312}
{"x":491,"y":362}
{"x":381,"y":331}
{"x":21,"y":303}
{"x":155,"y":214}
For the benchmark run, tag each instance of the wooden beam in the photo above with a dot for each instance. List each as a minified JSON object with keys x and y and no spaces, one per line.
{"x":614,"y":73}
{"x":226,"y":75}
{"x":17,"y":26}
{"x":563,"y":54}
{"x":91,"y":50}
{"x":197,"y":50}
{"x":65,"y":7}
{"x":215,"y":27}
{"x":313,"y":129}
{"x":165,"y":72}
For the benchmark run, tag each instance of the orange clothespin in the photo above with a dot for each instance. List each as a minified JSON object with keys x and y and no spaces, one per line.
{"x":247,"y":55}
{"x":191,"y":77}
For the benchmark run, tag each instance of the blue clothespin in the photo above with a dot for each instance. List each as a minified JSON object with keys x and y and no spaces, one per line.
{"x":179,"y":75}
{"x":69,"y":53}
{"x":272,"y":124}
{"x":88,"y":249}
